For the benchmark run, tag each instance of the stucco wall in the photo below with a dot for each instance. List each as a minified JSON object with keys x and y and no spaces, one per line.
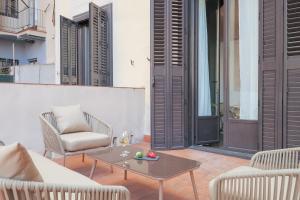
{"x":38,"y":74}
{"x":131,"y":41}
{"x":21,"y":104}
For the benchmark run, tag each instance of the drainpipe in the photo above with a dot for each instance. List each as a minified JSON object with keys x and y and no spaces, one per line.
{"x":13,"y":48}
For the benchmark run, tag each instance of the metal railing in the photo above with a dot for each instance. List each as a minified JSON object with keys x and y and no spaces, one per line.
{"x":29,"y":18}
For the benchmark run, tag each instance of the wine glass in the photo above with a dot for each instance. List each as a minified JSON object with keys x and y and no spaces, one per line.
{"x":124,"y":140}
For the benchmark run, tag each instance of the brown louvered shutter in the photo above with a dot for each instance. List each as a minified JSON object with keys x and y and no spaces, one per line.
{"x":159,"y":74}
{"x":291,"y":117}
{"x":69,"y":48}
{"x":73,"y":48}
{"x":100,"y":65}
{"x":168,"y":70}
{"x":271,"y":66}
{"x":177,"y":69}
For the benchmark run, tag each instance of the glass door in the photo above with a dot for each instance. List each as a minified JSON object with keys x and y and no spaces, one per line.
{"x":241,"y":126}
{"x":208,"y":72}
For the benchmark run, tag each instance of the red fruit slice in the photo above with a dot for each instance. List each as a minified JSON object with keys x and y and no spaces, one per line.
{"x":151,"y":155}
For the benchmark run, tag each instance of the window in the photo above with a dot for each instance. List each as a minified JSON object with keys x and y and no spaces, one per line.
{"x":86,"y":47}
{"x":243,"y":59}
{"x":9,"y":8}
{"x":5,"y":62}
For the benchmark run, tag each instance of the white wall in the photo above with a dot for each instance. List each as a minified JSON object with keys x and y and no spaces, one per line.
{"x":21,"y":104}
{"x":6,"y":50}
{"x":36,"y":50}
{"x":131,"y":41}
{"x":34,"y":73}
{"x":48,"y":6}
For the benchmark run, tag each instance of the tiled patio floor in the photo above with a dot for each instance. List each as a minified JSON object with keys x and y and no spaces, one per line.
{"x":179,"y":188}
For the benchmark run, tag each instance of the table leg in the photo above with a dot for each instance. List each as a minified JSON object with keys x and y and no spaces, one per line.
{"x":93,"y":169}
{"x":125,"y":174}
{"x":194,"y":185}
{"x":161,"y":190}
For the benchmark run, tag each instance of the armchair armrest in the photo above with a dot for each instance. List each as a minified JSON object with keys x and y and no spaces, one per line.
{"x":60,"y":191}
{"x":98,"y":126}
{"x":267,"y":185}
{"x":51,"y":136}
{"x":277,"y":159}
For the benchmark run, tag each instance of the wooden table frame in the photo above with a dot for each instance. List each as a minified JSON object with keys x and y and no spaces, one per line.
{"x":160,"y":181}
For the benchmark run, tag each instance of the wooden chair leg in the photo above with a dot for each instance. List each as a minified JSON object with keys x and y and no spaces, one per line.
{"x":64,"y":161}
{"x":83,"y":157}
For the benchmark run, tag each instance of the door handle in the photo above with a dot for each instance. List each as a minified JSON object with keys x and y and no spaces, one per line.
{"x":153,"y":82}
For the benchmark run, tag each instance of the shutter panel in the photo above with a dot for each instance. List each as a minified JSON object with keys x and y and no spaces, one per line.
{"x":159,"y":74}
{"x":73,"y":48}
{"x":68,"y":49}
{"x":104,"y":71}
{"x":177,"y":82}
{"x":292,"y":75}
{"x":270,"y":74}
{"x":167,"y":94}
{"x":64,"y":49}
{"x":99,"y":46}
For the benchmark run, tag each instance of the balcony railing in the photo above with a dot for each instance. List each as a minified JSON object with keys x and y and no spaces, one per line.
{"x":29,"y":18}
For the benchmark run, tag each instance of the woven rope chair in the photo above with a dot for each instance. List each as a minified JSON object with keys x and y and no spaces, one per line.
{"x":22,"y":190}
{"x":53,"y":142}
{"x":277,"y":177}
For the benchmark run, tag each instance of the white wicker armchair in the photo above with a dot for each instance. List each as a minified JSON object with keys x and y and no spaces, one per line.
{"x":22,"y":190}
{"x":272,"y":175}
{"x":53,"y":141}
{"x":58,"y":183}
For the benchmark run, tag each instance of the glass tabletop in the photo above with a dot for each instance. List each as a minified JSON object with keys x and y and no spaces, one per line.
{"x":112,"y":155}
{"x":166,"y":167}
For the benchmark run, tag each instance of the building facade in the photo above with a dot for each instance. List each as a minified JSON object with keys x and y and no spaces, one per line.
{"x":225,"y":72}
{"x":219,"y":73}
{"x":26,"y":32}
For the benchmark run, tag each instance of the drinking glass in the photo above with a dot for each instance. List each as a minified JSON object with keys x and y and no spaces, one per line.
{"x":124,"y":141}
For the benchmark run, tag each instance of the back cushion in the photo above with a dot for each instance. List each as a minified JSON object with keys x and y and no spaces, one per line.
{"x":70,"y":119}
{"x":16,"y":163}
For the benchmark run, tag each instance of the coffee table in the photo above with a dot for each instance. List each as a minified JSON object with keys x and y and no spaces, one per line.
{"x":165,"y":168}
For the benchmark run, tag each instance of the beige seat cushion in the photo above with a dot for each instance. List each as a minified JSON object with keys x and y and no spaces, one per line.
{"x":16,"y":163}
{"x":84,"y":140}
{"x":70,"y":119}
{"x":54,"y":173}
